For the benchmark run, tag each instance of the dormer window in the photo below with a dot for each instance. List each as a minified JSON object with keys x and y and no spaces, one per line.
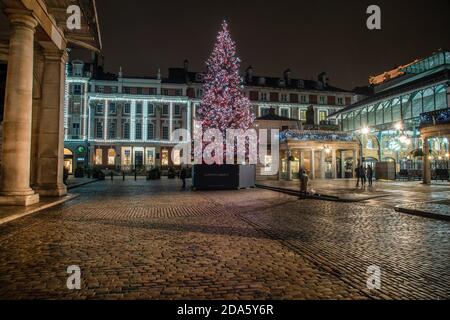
{"x":281,"y":83}
{"x":199,"y":77}
{"x":262,"y":81}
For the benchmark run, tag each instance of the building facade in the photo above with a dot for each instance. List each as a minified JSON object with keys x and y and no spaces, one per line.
{"x":126,"y":123}
{"x":389,"y":122}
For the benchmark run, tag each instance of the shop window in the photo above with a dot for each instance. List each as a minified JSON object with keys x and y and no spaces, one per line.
{"x":98,"y":157}
{"x":176,"y":159}
{"x":165,"y":157}
{"x":111,"y":157}
{"x":150,"y":157}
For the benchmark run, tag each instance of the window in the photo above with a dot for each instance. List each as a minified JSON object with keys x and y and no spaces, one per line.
{"x":151,"y":109}
{"x":165,"y":110}
{"x":304,"y":99}
{"x":139,"y":91}
{"x":302,"y":115}
{"x":150,"y":157}
{"x":176,"y":160}
{"x":199,"y":93}
{"x":127,"y":108}
{"x":126,"y":130}
{"x":263,"y":96}
{"x":139,"y":108}
{"x":165,"y":157}
{"x":114,"y":90}
{"x":100,"y":89}
{"x":99,"y":130}
{"x":112,"y":108}
{"x":112,"y":129}
{"x":98,"y":157}
{"x":138,"y":131}
{"x":111,"y":157}
{"x":264,"y":111}
{"x":126,"y":157}
{"x":126,"y":90}
{"x":150,"y":131}
{"x":179,"y":92}
{"x":99,"y":108}
{"x":284,"y":112}
{"x":322,"y":116}
{"x":340,"y":100}
{"x":77,"y":89}
{"x":284,"y":98}
{"x":76,"y":129}
{"x":177,"y":110}
{"x":165,"y":133}
{"x":321,"y":99}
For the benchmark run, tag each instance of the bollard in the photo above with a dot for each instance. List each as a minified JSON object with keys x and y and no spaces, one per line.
{"x":135,"y":175}
{"x":123,"y":175}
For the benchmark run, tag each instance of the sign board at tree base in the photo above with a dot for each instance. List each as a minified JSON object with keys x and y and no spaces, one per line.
{"x":223,"y":177}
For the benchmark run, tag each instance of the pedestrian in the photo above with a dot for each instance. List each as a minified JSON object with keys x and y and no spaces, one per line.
{"x":183,"y":174}
{"x":370,"y":175}
{"x":363,"y":176}
{"x":304,"y":179}
{"x":358,"y":175}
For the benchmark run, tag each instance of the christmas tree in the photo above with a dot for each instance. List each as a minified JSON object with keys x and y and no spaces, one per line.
{"x":224,"y":105}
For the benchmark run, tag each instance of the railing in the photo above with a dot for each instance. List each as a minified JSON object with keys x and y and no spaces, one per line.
{"x":435,"y":118}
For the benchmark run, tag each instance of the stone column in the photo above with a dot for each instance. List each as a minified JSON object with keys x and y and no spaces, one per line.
{"x":355,"y":162}
{"x":426,"y":162}
{"x":302,"y":160}
{"x":333,"y":164}
{"x":322,"y":164}
{"x":342,"y":164}
{"x":15,"y":170}
{"x":312,"y":165}
{"x":289,"y":166}
{"x":51,"y":126}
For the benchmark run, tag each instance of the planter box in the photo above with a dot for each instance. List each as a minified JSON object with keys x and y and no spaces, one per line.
{"x":223,"y":177}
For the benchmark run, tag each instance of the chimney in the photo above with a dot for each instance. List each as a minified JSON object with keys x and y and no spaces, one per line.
{"x":120,"y":72}
{"x":249,"y":74}
{"x":322,"y":77}
{"x":287,"y":76}
{"x":159,"y":74}
{"x":186,"y":65}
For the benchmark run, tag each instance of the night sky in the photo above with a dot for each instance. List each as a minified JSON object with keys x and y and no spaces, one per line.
{"x":307,"y":36}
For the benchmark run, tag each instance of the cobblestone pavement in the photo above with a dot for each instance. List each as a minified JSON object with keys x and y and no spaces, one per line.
{"x":149,"y":240}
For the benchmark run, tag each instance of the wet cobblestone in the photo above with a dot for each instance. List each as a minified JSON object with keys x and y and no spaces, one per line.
{"x":149,"y":240}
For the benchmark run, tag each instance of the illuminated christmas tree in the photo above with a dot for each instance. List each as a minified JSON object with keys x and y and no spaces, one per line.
{"x":224,"y":105}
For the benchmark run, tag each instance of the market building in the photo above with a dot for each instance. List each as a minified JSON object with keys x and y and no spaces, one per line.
{"x":405,"y":120}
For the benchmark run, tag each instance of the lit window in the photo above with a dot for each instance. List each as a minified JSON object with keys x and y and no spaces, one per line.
{"x":165,"y":157}
{"x":322,"y":116}
{"x":111,"y":157}
{"x":98,"y":157}
{"x":176,"y":159}
{"x":150,"y":157}
{"x":303,"y":115}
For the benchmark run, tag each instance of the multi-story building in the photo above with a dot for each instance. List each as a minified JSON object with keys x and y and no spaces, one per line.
{"x":122,"y":123}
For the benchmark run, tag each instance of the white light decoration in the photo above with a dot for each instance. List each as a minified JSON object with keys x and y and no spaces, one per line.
{"x":365,"y":130}
{"x":398,"y":126}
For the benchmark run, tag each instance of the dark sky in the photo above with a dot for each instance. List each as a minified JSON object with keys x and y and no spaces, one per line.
{"x":307,"y":36}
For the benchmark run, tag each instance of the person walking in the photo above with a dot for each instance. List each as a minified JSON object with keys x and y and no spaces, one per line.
{"x":370,"y":175}
{"x":358,"y":175}
{"x":183,"y":175}
{"x":363,"y":176}
{"x":304,"y":179}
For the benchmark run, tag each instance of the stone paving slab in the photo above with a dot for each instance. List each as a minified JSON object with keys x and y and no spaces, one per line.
{"x":437,"y":210}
